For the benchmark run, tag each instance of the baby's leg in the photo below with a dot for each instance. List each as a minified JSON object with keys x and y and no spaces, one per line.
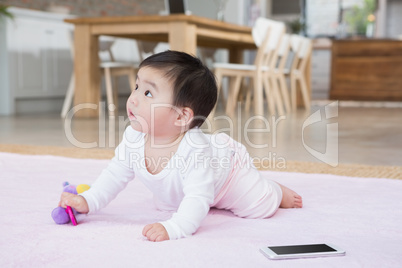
{"x":290,"y":199}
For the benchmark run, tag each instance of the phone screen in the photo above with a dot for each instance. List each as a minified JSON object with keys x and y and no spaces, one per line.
{"x":300,"y":249}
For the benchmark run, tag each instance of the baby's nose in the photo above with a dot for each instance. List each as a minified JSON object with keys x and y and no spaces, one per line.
{"x":133,"y":99}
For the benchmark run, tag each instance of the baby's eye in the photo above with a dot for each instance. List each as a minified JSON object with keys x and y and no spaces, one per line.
{"x":148,"y":94}
{"x":136,"y":86}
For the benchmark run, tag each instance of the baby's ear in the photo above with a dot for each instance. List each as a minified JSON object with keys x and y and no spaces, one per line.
{"x":185,"y":117}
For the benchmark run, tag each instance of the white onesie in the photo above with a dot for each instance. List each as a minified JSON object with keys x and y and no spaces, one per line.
{"x":206,"y":171}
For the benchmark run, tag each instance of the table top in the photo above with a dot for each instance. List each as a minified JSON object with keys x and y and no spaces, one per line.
{"x":210,"y":32}
{"x":197,"y":20}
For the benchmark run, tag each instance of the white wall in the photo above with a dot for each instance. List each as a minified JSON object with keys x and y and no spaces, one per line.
{"x":204,"y":8}
{"x":234,"y":10}
{"x":323,"y":15}
{"x":6,"y":105}
{"x":394,"y":19}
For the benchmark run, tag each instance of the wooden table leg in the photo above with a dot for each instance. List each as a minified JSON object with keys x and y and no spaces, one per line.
{"x":235,"y":55}
{"x":86,"y":70}
{"x":183,"y":37}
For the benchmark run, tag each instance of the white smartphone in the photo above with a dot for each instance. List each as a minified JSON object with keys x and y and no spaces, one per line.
{"x":301,"y":251}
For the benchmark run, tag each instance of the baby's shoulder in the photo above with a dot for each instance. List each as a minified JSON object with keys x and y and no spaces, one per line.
{"x":210,"y":152}
{"x":215,"y":144}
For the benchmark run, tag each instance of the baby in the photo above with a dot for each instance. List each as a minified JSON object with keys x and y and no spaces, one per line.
{"x":187,"y":171}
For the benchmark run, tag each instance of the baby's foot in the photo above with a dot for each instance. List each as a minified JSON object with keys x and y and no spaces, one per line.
{"x":290,"y":199}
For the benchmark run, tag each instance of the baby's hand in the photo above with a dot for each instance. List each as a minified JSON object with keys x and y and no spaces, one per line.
{"x":155,"y":232}
{"x":77,"y":202}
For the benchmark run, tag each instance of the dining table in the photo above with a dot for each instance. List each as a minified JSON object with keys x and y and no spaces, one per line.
{"x":181,"y":31}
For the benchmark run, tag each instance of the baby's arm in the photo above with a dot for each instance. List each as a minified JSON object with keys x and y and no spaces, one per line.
{"x":199,"y":193}
{"x":108,"y":185}
{"x":111,"y":181}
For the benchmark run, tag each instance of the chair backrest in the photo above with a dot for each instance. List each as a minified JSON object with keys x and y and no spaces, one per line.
{"x":267,"y":35}
{"x":105,"y":46}
{"x":283,"y":52}
{"x":145,"y":49}
{"x":301,"y":47}
{"x":260,"y":29}
{"x":284,"y":46}
{"x":207,"y":56}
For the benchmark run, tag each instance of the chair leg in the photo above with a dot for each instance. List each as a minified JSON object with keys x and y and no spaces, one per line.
{"x":285,"y":92}
{"x":219,"y":86}
{"x":221,"y":97}
{"x":69,"y":97}
{"x":277,"y":95}
{"x":232,"y":100}
{"x":305,"y":94}
{"x":248,"y":97}
{"x":109,"y":92}
{"x":293,"y":92}
{"x":280,"y":99}
{"x":115,"y":86}
{"x":258,"y":94}
{"x":270,"y":92}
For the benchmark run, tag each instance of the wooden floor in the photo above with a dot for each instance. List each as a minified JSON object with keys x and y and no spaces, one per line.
{"x":356,"y":135}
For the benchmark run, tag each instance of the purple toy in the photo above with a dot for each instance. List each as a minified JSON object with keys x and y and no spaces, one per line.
{"x":59,"y":214}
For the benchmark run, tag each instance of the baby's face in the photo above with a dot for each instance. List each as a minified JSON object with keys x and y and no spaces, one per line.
{"x":149,"y":106}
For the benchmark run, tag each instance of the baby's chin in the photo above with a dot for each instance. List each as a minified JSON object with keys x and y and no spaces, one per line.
{"x":138,"y":127}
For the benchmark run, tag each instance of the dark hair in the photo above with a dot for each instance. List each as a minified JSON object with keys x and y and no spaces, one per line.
{"x":194,"y":85}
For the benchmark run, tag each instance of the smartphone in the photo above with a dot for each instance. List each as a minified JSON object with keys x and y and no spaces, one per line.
{"x":301,"y":251}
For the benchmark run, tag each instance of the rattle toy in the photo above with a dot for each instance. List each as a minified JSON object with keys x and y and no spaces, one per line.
{"x":64,"y":215}
{"x":71,"y":215}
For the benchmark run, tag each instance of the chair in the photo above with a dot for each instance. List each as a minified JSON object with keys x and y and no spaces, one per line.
{"x":267,"y":35}
{"x":109,"y":69}
{"x":146,"y":49}
{"x":302,"y":49}
{"x":207,"y":56}
{"x":278,"y":74}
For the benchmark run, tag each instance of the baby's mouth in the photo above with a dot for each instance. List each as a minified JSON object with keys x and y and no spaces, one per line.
{"x":131,"y":116}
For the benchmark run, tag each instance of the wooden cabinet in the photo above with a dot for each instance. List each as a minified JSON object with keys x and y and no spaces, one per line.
{"x":366,"y":70}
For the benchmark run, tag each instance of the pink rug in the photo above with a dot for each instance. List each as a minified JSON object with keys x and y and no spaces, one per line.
{"x":361,"y":215}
